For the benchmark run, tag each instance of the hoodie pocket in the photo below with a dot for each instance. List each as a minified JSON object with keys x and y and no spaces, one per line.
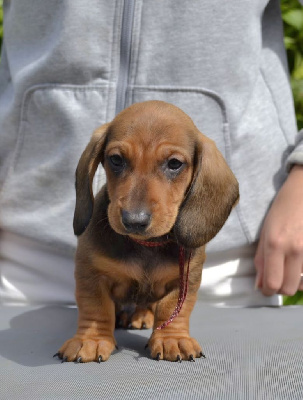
{"x":56,"y":124}
{"x":205,"y":107}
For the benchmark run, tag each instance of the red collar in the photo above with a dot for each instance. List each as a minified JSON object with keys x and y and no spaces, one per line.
{"x":151,"y":244}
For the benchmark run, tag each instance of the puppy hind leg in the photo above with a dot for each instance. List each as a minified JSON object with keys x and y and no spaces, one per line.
{"x":143,"y":317}
{"x":135,"y":317}
{"x":123,"y":315}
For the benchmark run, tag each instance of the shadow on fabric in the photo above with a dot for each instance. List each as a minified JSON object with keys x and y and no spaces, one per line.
{"x":35,"y":336}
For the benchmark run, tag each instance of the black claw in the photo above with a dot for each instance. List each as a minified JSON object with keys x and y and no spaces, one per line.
{"x":57,"y":355}
{"x":191,"y":358}
{"x":143,"y":325}
{"x":79,"y":360}
{"x":158,"y":356}
{"x":130,"y":326}
{"x":64,"y":360}
{"x":146,"y":346}
{"x":202,"y":354}
{"x":100,"y":359}
{"x":179,"y":359}
{"x":117,"y":348}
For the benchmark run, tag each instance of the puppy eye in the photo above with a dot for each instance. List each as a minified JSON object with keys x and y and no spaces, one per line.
{"x":174,"y":164}
{"x":116,"y":160}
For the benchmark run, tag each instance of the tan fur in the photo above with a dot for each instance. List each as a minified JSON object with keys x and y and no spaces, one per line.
{"x":190,"y":207}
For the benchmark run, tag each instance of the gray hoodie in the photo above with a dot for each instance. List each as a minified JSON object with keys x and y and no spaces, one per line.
{"x":70,"y":66}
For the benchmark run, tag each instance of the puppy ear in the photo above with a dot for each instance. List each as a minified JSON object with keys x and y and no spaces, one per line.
{"x":88,"y":163}
{"x":213,"y":193}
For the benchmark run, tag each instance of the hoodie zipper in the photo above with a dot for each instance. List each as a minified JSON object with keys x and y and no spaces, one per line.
{"x":125,"y":53}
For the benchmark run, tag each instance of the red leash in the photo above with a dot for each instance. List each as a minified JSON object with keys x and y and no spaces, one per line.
{"x":183,"y":284}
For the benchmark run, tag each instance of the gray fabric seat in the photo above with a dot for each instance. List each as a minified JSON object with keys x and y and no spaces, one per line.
{"x":252,"y":353}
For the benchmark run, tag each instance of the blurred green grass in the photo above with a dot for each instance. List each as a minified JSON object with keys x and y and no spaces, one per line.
{"x":1,"y":22}
{"x":292,"y":14}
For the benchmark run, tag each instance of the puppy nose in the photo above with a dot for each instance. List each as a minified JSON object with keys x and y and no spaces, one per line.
{"x":135,"y":222}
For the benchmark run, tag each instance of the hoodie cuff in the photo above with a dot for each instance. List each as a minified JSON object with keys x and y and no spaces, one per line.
{"x":296,"y":156}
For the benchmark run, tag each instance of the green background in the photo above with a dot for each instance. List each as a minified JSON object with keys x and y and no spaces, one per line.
{"x":292,"y":13}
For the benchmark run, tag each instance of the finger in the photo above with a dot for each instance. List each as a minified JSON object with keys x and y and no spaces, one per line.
{"x":259,"y":262}
{"x":259,"y":279}
{"x":292,"y":275}
{"x":273,"y":271}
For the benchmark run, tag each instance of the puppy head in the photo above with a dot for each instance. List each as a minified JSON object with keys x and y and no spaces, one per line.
{"x":163,"y":175}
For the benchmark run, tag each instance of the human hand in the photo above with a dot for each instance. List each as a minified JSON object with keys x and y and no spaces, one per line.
{"x":279,"y":256}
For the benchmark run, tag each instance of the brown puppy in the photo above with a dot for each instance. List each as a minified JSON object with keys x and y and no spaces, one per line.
{"x":166,"y":182}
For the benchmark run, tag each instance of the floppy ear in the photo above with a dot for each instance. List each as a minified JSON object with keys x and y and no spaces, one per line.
{"x":88,"y":163}
{"x":213,"y":193}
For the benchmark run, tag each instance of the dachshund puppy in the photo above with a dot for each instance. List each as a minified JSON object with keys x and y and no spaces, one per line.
{"x":168,"y":187}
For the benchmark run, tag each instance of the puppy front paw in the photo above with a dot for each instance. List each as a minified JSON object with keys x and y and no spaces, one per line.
{"x":86,"y":349}
{"x":171,"y":348}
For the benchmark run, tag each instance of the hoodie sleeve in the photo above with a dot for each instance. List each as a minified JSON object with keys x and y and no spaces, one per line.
{"x":296,"y":156}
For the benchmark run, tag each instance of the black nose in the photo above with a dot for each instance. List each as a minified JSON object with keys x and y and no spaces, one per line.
{"x":135,"y":222}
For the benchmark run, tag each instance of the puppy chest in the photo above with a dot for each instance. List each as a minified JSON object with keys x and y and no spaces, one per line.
{"x":142,"y":292}
{"x":142,"y":278}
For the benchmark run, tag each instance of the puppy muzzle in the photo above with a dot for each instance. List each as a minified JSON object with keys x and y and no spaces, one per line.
{"x":136,"y":222}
